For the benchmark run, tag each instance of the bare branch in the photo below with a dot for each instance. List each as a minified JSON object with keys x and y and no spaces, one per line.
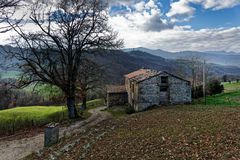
{"x":7,"y":9}
{"x":67,"y":32}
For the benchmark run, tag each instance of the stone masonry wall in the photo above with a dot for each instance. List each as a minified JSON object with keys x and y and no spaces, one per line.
{"x":179,"y":92}
{"x":148,"y":94}
{"x":116,"y":99}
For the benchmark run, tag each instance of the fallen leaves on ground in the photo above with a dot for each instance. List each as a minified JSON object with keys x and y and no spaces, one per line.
{"x":182,"y":132}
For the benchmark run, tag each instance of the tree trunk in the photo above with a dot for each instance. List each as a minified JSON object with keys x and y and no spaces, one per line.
{"x":84,"y":102}
{"x":72,"y":111}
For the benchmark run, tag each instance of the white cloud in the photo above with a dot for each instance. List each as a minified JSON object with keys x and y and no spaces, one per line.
{"x":219,"y":4}
{"x":145,"y":16}
{"x":122,"y":2}
{"x":181,"y":10}
{"x":140,"y":6}
{"x":179,"y":38}
{"x":151,"y":4}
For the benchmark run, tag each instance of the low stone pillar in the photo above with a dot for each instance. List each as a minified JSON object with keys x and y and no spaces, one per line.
{"x":51,"y":134}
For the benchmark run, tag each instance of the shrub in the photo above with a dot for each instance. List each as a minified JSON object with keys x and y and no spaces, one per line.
{"x":129,"y":109}
{"x":5,"y":94}
{"x":225,"y":78}
{"x":215,"y":87}
{"x":197,"y":92}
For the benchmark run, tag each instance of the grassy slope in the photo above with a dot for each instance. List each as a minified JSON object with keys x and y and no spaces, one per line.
{"x":231,"y":87}
{"x":14,"y":119}
{"x":230,"y":97}
{"x":117,"y":112}
{"x":9,"y":74}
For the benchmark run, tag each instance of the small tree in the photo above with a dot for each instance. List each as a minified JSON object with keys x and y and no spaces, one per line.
{"x":198,"y":92}
{"x":195,"y":67}
{"x":91,"y":77}
{"x":225,"y":78}
{"x":215,"y":87}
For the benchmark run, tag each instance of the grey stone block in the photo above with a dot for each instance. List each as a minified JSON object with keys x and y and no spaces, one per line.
{"x":51,"y":134}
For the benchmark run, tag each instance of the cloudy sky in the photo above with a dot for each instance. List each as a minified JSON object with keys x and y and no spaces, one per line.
{"x":174,"y":25}
{"x":177,"y":25}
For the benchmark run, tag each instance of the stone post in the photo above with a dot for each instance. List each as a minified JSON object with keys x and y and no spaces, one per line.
{"x":51,"y":134}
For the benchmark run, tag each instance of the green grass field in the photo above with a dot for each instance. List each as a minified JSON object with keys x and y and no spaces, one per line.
{"x":18,"y":118}
{"x":9,"y":74}
{"x":231,"y":87}
{"x":230,"y":97}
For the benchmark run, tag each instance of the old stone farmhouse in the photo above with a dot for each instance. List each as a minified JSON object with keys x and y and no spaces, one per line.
{"x":147,"y":87}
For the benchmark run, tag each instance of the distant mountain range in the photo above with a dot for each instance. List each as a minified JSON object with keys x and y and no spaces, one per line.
{"x":221,"y":58}
{"x":118,"y":62}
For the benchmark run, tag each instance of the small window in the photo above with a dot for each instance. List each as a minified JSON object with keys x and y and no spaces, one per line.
{"x":163,"y":89}
{"x":164,"y":79}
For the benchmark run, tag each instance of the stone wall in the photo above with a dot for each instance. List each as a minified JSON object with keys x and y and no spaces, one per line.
{"x":117,"y":99}
{"x":148,"y":94}
{"x":179,"y":92}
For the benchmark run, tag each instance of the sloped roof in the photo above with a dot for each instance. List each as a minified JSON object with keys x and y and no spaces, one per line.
{"x":137,"y":73}
{"x":141,"y":74}
{"x":116,"y":89}
{"x":144,"y":74}
{"x":147,"y":75}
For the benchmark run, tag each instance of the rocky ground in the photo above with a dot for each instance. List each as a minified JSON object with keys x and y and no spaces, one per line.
{"x":184,"y":132}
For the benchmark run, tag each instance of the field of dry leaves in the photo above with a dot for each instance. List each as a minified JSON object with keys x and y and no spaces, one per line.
{"x":180,"y":132}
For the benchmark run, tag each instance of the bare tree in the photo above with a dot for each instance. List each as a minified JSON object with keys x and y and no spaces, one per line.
{"x":7,"y":9}
{"x":199,"y":71}
{"x":8,"y":3}
{"x":65,"y":32}
{"x":195,"y":68}
{"x":91,"y":77}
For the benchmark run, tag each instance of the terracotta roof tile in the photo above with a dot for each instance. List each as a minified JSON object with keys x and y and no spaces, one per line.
{"x":141,"y":74}
{"x":147,"y":75}
{"x":137,"y":73}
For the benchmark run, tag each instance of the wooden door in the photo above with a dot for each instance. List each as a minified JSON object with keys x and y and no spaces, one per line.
{"x":164,"y":95}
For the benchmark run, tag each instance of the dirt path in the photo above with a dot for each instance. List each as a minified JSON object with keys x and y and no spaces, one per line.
{"x":20,"y":148}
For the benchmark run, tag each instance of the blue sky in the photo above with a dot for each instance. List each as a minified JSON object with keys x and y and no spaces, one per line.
{"x":213,"y":19}
{"x":202,"y":18}
{"x":176,"y":25}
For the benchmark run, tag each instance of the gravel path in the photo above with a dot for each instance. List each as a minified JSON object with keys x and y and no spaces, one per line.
{"x":20,"y":148}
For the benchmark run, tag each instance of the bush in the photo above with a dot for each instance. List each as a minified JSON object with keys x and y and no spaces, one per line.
{"x":129,"y":109}
{"x":5,"y":94}
{"x":225,"y":78}
{"x":215,"y":87}
{"x":197,"y":92}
